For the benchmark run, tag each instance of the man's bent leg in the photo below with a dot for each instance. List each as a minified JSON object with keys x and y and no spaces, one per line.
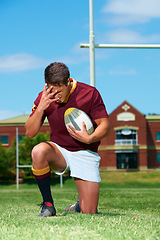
{"x":43,"y":155}
{"x":46,"y":153}
{"x":88,"y":195}
{"x":42,"y":177}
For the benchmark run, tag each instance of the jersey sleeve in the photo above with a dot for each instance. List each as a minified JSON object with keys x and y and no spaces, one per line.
{"x":98,"y":109}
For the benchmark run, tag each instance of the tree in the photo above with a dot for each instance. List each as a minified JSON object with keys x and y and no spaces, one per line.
{"x":6,"y":174}
{"x":4,"y":163}
{"x":25,"y":148}
{"x":8,"y":156}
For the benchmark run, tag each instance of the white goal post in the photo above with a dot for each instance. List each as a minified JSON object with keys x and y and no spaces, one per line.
{"x":18,"y":166}
{"x":92,"y":45}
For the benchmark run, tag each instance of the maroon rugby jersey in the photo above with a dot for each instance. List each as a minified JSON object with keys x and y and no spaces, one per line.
{"x":84,"y":97}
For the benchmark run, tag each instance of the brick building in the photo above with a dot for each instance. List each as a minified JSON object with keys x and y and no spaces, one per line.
{"x":133,"y":143}
{"x":134,"y":140}
{"x":8,"y":129}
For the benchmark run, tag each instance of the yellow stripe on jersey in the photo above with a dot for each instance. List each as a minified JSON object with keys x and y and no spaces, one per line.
{"x":34,"y":107}
{"x":73,"y":88}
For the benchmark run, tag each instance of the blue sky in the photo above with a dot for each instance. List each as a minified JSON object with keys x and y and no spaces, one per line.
{"x":35,"y":33}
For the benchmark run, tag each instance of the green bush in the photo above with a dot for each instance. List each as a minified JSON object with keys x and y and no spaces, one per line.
{"x":25,"y":149}
{"x":8,"y":156}
{"x":4,"y":162}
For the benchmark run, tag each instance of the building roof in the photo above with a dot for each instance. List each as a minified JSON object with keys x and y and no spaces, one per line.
{"x":149,"y":118}
{"x":153,"y":118}
{"x":16,"y":121}
{"x":126,"y":102}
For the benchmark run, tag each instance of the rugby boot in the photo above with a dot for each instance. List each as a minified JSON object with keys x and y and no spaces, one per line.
{"x":73,"y":208}
{"x":48,"y":210}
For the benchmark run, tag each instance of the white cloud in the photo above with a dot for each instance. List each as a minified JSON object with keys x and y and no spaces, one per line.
{"x":129,"y":11}
{"x":121,"y":71}
{"x":128,"y":36}
{"x":20,"y":62}
{"x":126,"y":20}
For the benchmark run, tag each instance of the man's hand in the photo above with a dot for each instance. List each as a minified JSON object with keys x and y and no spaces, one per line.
{"x":82,"y":135}
{"x":102,"y":130}
{"x":47,"y":98}
{"x":34,"y":123}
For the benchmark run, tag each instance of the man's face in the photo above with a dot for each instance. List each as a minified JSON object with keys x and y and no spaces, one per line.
{"x":62,"y":91}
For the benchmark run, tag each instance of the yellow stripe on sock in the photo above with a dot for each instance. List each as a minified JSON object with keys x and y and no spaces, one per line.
{"x":39,"y":172}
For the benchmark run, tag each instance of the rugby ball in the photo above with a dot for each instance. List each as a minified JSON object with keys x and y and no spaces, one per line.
{"x":75,"y":117}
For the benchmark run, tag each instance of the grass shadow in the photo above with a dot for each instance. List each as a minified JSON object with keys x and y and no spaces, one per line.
{"x":110,"y":214}
{"x":100,"y":214}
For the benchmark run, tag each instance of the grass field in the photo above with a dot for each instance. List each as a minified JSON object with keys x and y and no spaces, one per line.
{"x":129,"y":208}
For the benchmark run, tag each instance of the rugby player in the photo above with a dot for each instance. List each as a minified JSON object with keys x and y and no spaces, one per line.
{"x":74,"y":149}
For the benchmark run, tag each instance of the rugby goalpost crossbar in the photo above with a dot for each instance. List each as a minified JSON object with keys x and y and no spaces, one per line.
{"x":92,"y":45}
{"x":18,"y":166}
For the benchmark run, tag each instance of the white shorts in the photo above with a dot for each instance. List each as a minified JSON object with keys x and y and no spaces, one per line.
{"x":83,"y":164}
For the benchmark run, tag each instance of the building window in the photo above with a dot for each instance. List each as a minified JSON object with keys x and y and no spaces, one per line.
{"x":158,"y":157}
{"x":126,"y":137}
{"x":126,"y":160}
{"x":4,"y":139}
{"x":157,"y":136}
{"x":20,"y":138}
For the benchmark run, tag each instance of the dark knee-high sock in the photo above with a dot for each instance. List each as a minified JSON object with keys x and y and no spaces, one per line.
{"x":43,"y":180}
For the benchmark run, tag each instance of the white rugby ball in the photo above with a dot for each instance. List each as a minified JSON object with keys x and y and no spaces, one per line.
{"x":75,"y":117}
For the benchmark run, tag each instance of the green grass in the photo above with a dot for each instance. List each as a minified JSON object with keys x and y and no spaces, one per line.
{"x":129,"y":208}
{"x":131,"y":179}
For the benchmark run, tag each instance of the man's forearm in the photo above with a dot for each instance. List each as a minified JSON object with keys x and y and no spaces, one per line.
{"x":101,"y":131}
{"x":34,"y":123}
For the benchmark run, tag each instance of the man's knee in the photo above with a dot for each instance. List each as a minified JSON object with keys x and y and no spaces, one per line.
{"x":88,"y":207}
{"x":39,"y":151}
{"x":88,"y":210}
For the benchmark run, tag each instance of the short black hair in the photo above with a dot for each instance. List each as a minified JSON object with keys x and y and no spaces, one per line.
{"x":57,"y":73}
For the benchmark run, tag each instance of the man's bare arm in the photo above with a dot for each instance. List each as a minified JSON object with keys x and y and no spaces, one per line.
{"x":34,"y":123}
{"x":102,"y":130}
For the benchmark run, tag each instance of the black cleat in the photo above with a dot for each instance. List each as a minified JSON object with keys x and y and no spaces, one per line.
{"x":48,"y":210}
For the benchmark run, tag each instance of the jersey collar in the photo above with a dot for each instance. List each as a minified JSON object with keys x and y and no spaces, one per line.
{"x":72,"y":89}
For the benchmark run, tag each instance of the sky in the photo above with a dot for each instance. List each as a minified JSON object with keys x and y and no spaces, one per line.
{"x":34,"y":33}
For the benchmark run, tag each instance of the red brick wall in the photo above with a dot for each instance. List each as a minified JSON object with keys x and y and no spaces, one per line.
{"x":11,"y":132}
{"x":152,"y":128}
{"x":142,"y":158}
{"x":153,"y":145}
{"x":108,"y":158}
